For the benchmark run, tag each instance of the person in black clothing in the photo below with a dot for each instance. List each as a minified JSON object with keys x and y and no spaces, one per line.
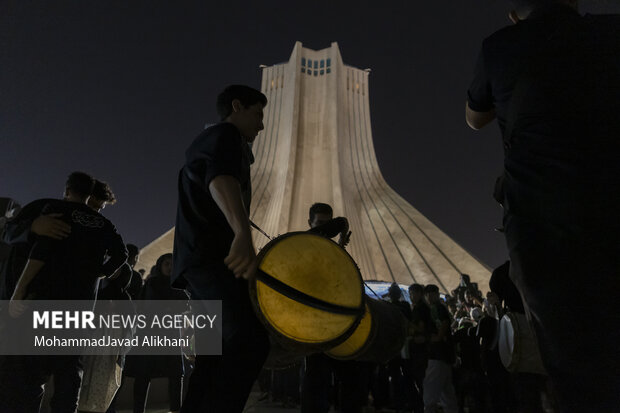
{"x":321,"y":221}
{"x":397,"y":372}
{"x":145,"y":368}
{"x":213,"y":251}
{"x":418,"y":346}
{"x":438,"y":387}
{"x":70,"y":268}
{"x":350,"y":376}
{"x":130,"y":290}
{"x":552,"y":81}
{"x":65,"y":269}
{"x":20,"y":233}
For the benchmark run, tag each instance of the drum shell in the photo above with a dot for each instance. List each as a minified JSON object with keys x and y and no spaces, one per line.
{"x":350,"y":286}
{"x":387,"y":335}
{"x":517,"y":344}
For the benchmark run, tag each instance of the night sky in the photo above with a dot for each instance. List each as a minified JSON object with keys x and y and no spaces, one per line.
{"x":120,"y":88}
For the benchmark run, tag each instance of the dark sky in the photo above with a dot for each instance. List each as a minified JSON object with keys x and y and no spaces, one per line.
{"x":120,"y":88}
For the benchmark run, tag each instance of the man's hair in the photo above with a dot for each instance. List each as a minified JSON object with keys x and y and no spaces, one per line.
{"x":395,"y":290}
{"x":320,"y":208}
{"x":103,"y":192}
{"x":246,"y":95}
{"x":132,"y":250}
{"x":431,"y":288}
{"x":80,"y":183}
{"x":418,"y":288}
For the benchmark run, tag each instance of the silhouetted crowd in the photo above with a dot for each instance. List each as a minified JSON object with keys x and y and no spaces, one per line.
{"x":451,"y":360}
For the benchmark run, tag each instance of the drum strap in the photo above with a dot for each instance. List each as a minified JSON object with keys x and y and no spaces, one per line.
{"x":256,"y":227}
{"x":304,"y":298}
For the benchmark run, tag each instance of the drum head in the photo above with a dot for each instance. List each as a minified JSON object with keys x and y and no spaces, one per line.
{"x":354,"y":344}
{"x":507,"y":340}
{"x":320,"y":268}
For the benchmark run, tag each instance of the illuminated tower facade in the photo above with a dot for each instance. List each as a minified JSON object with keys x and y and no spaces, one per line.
{"x":317,"y":146}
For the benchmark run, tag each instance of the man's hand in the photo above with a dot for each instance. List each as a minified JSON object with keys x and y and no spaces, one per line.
{"x":478,"y":120}
{"x":344,"y":239}
{"x":51,"y":226}
{"x":241,"y":259}
{"x":514,"y":17}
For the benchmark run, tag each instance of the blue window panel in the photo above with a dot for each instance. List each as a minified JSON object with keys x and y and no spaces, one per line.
{"x":309,"y":72}
{"x":329,"y":62}
{"x":315,"y":73}
{"x":316,"y":64}
{"x":322,"y":72}
{"x":328,"y":70}
{"x":303,"y":61}
{"x":309,"y":63}
{"x":303,"y":70}
{"x":322,"y":63}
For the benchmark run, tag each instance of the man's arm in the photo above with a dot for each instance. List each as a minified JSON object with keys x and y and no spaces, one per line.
{"x":31,"y":221}
{"x":333,"y":227}
{"x":479,"y":105}
{"x":116,"y":251}
{"x":241,"y":259}
{"x":478,"y":120}
{"x":31,"y":269}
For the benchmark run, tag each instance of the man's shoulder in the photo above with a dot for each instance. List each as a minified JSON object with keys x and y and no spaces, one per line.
{"x":38,"y":206}
{"x":441,"y":310}
{"x":545,"y":27}
{"x":209,"y":137}
{"x":217,"y":130}
{"x":422,"y":307}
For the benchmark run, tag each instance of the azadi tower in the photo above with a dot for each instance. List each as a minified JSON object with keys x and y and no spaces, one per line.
{"x":317,"y":147}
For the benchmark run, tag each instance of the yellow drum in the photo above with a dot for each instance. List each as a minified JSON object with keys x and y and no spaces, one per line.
{"x":308,"y":292}
{"x":378,"y":338}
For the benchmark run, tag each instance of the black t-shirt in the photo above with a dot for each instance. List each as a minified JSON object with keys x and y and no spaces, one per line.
{"x":561,"y":159}
{"x":202,"y":235}
{"x":504,"y":56}
{"x":442,"y":350}
{"x":73,"y":265}
{"x":18,"y":235}
{"x":420,"y":313}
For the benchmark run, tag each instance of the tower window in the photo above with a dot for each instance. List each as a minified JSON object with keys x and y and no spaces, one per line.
{"x":303,"y":61}
{"x":322,"y":72}
{"x":329,"y":62}
{"x":322,"y":63}
{"x":316,"y":64}
{"x":303,"y":70}
{"x":315,"y":73}
{"x":328,"y":70}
